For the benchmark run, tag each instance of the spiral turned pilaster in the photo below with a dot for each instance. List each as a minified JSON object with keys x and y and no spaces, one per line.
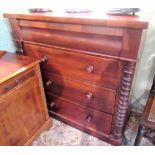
{"x":123,"y":100}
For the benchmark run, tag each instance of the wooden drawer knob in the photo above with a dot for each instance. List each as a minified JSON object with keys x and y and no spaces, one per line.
{"x":44,"y":59}
{"x":89,"y":95}
{"x":90,"y":69}
{"x":48,"y":83}
{"x":89,"y":118}
{"x":52,"y":104}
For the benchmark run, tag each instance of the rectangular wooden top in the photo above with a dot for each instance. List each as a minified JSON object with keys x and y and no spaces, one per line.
{"x":90,"y":19}
{"x":12,"y":64}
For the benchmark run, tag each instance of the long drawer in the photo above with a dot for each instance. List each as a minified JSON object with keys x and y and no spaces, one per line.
{"x":91,"y":119}
{"x":86,"y":94}
{"x":96,"y":70}
{"x":99,"y":39}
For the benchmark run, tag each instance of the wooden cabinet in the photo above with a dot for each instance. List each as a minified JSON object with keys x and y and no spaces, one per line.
{"x":22,"y":102}
{"x":88,"y":64}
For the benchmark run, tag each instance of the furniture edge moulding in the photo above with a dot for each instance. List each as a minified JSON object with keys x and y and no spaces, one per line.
{"x":135,"y":22}
{"x":131,"y":44}
{"x":42,"y":89}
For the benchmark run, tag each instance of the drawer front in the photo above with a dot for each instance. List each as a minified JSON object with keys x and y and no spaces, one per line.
{"x":88,"y":95}
{"x":87,"y":117}
{"x":22,"y":114}
{"x":15,"y":82}
{"x":96,"y":70}
{"x":98,"y":39}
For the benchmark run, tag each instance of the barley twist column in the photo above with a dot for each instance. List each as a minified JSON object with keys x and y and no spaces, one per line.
{"x":123,"y":100}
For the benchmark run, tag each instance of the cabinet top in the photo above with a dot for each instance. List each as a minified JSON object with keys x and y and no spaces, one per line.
{"x":12,"y":64}
{"x":91,"y":18}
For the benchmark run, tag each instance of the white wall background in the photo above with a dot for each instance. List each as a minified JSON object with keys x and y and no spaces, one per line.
{"x":147,"y":64}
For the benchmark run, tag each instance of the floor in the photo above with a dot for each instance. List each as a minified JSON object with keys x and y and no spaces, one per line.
{"x":61,"y":134}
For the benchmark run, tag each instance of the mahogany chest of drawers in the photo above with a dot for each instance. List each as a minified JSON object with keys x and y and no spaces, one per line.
{"x":23,"y":106}
{"x":88,"y":64}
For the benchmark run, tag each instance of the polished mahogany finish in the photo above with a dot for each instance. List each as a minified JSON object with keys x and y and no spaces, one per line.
{"x":86,"y":19}
{"x":84,"y":67}
{"x":22,"y":101}
{"x":88,"y":63}
{"x":85,"y":117}
{"x":83,"y":93}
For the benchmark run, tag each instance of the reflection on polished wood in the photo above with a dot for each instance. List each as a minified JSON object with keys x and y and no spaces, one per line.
{"x":22,"y":102}
{"x":88,"y":64}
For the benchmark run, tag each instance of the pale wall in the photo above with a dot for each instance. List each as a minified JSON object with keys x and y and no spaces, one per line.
{"x":147,"y":65}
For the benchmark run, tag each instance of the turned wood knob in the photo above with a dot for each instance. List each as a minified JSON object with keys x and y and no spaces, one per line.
{"x":20,"y":51}
{"x":90,"y":69}
{"x":44,"y":59}
{"x":89,"y":118}
{"x":89,"y":95}
{"x":48,"y":83}
{"x":52,"y":104}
